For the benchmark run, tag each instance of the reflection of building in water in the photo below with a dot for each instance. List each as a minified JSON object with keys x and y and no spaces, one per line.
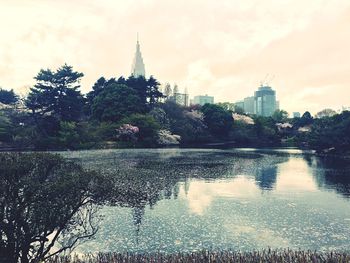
{"x":266,"y":178}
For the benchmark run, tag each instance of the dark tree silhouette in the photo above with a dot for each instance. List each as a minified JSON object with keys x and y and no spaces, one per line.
{"x":56,"y":93}
{"x":46,"y":205}
{"x":8,"y":96}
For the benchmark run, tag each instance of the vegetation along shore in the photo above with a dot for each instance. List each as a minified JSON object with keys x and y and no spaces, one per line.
{"x":133,"y":112}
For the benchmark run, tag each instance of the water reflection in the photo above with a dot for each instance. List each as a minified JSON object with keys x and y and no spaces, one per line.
{"x":331,"y":173}
{"x":266,"y":178}
{"x":183,"y":199}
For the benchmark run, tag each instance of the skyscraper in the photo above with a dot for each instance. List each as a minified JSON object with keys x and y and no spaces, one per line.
{"x":138,"y":67}
{"x":265,"y":101}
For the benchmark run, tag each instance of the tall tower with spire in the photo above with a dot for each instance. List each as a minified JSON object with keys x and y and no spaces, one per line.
{"x":138,"y":67}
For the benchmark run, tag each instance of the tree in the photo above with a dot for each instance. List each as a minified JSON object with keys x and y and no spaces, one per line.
{"x":99,"y":86}
{"x":332,"y":132}
{"x":147,"y":128}
{"x":167,"y":90}
{"x":8,"y":97}
{"x":5,"y":128}
{"x":280,"y":116}
{"x":218,"y":120}
{"x":115,"y":102}
{"x":326,"y":113}
{"x":56,"y":93}
{"x":238,"y":110}
{"x":147,"y":89}
{"x":306,"y":119}
{"x":46,"y":202}
{"x":228,"y":106}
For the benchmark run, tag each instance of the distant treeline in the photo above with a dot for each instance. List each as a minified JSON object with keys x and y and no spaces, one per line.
{"x":133,"y":112}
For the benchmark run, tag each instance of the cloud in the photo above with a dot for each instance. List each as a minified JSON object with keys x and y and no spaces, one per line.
{"x":223,"y":48}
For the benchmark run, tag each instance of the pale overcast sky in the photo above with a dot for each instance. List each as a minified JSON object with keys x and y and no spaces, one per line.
{"x":218,"y":47}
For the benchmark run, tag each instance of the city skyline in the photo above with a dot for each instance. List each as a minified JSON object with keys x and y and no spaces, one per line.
{"x":223,"y":48}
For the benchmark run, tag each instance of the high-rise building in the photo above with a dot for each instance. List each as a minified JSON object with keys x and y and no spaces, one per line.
{"x":201,"y":100}
{"x":138,"y":67}
{"x":239,"y":105}
{"x":265,"y":101}
{"x":248,"y":105}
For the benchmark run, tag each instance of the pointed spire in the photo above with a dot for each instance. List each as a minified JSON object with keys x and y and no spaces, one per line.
{"x":138,"y":67}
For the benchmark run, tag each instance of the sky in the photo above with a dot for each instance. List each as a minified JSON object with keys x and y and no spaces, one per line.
{"x":223,"y":48}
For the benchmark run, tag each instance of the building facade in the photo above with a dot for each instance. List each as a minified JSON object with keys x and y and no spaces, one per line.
{"x":248,"y":106}
{"x":265,"y":101}
{"x":201,"y":100}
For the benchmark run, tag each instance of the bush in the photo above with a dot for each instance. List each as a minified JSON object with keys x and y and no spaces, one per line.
{"x":148,"y":129}
{"x":48,"y":201}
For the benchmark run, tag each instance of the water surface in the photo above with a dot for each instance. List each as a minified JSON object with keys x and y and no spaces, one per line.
{"x":191,"y":199}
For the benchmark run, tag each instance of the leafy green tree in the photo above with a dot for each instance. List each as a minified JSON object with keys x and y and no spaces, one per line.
{"x":147,"y":89}
{"x":238,"y":110}
{"x":68,"y":135}
{"x":332,"y":132}
{"x":5,"y":128}
{"x":56,"y":93}
{"x":161,"y":117}
{"x":45,"y":202}
{"x":148,"y":128}
{"x":280,"y":116}
{"x":8,"y":96}
{"x":228,"y":106}
{"x":306,"y":119}
{"x":218,"y":120}
{"x":326,"y":113}
{"x":115,"y":102}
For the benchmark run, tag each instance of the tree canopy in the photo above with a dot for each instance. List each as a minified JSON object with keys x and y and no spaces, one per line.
{"x":115,"y":102}
{"x":56,"y":93}
{"x":8,"y":96}
{"x":218,"y":120}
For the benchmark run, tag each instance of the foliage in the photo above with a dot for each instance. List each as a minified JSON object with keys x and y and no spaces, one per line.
{"x":331,"y":132}
{"x":116,"y":102}
{"x":148,"y":128}
{"x":280,"y":116}
{"x":127,"y":132}
{"x":218,"y":120}
{"x":326,"y":113}
{"x":305,"y":120}
{"x":5,"y":128}
{"x":287,"y":256}
{"x":161,"y":117}
{"x":238,"y":110}
{"x":187,"y":123}
{"x":8,"y":96}
{"x":68,"y":135}
{"x":56,"y":94}
{"x":45,"y":201}
{"x":166,"y":138}
{"x":228,"y":106}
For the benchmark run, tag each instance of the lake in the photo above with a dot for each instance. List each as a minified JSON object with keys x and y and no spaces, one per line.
{"x":172,"y":200}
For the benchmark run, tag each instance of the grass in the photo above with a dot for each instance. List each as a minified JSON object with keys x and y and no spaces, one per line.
{"x":271,"y":256}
